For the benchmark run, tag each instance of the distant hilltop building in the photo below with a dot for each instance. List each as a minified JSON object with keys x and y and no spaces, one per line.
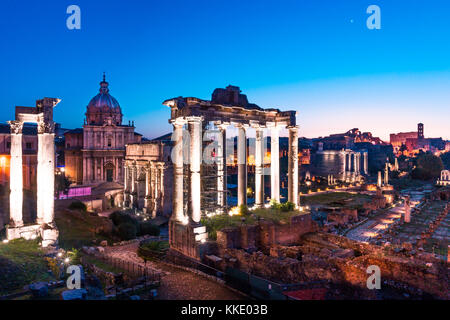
{"x":348,"y":155}
{"x":445,"y":178}
{"x":410,"y":143}
{"x":347,"y":140}
{"x":96,"y":152}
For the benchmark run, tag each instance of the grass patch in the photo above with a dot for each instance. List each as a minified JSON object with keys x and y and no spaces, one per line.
{"x":101,"y":264}
{"x":219,"y":222}
{"x":156,"y":245}
{"x":77,"y":229}
{"x":153,"y":250}
{"x":336,"y":199}
{"x":21,"y":262}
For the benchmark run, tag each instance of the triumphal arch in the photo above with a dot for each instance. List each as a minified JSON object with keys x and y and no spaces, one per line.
{"x":44,"y":226}
{"x":227,"y":107}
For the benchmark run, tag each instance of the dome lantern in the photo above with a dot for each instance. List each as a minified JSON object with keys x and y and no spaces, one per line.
{"x":103,"y":108}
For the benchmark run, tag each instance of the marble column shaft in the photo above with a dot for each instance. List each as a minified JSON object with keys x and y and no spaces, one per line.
{"x":242,"y":166}
{"x":177,"y":159}
{"x":16,"y":177}
{"x":293,"y":166}
{"x":274,"y":164}
{"x":259,"y":166}
{"x":195,"y":162}
{"x":45,"y":186}
{"x":222,"y":167}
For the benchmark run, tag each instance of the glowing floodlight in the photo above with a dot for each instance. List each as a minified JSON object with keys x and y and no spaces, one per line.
{"x":234,"y":211}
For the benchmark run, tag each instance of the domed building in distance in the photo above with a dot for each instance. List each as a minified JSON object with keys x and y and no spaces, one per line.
{"x":95,"y":153}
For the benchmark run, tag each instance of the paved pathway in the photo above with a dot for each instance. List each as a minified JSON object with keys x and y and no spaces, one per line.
{"x":176,"y":283}
{"x":376,"y":225}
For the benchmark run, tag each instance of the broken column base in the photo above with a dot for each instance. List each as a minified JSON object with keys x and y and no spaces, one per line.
{"x":188,"y":240}
{"x":48,"y":234}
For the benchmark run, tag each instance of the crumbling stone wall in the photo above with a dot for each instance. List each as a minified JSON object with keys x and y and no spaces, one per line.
{"x":376,"y":203}
{"x":341,"y":260}
{"x":266,"y":233}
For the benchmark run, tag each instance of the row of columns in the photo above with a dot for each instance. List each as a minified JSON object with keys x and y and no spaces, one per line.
{"x":45,"y":174}
{"x":195,"y":147}
{"x":352,"y":163}
{"x":154,"y":186}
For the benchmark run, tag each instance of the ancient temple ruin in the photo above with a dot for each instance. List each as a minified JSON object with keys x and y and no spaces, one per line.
{"x":227,"y":107}
{"x":445,"y":178}
{"x":148,"y":178}
{"x":44,"y":226}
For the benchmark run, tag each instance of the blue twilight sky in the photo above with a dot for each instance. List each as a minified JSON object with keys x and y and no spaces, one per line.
{"x":316,"y":57}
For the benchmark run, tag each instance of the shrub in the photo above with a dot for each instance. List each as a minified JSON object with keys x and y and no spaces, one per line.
{"x":243,"y":210}
{"x":127,"y":231}
{"x":119,"y":218}
{"x":148,"y":228}
{"x":77,"y":205}
{"x":287,"y":206}
{"x":275,"y":205}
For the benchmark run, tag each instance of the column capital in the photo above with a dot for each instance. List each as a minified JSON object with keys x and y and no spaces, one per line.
{"x":46,"y":127}
{"x":257,"y":125}
{"x":241,"y":125}
{"x":274,"y":125}
{"x":292,"y":128}
{"x":194,"y":119}
{"x":178,"y":122}
{"x":222,"y":125}
{"x":16,"y":126}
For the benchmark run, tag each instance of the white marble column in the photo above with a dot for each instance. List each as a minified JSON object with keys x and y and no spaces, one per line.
{"x":366,"y":163}
{"x":293,"y":166}
{"x":379,"y":179}
{"x":242,"y":165}
{"x":45,"y":170}
{"x":386,"y":175}
{"x":16,"y":175}
{"x":133,"y":196}
{"x":259,"y":163}
{"x":125,"y":185}
{"x":177,"y":159}
{"x":147,"y":198}
{"x":275,"y":163}
{"x":344,"y":165}
{"x":222,"y":167}
{"x":155,"y":190}
{"x":194,"y":124}
{"x":161,"y":188}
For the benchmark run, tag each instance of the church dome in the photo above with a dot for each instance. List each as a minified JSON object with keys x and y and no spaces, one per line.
{"x":103,"y":108}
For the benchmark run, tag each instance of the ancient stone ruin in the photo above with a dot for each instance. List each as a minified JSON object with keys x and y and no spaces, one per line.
{"x":226,"y":108}
{"x":44,"y":226}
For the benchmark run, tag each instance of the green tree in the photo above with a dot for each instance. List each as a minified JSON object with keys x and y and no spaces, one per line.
{"x":445,"y":157}
{"x":428,"y":167}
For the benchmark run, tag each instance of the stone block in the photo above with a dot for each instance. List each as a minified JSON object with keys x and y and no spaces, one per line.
{"x":76,"y":294}
{"x":39,"y":289}
{"x":49,"y":236}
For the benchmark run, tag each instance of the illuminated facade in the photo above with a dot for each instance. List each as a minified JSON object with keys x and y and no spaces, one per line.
{"x":95,"y":153}
{"x":445,"y":178}
{"x":148,"y":177}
